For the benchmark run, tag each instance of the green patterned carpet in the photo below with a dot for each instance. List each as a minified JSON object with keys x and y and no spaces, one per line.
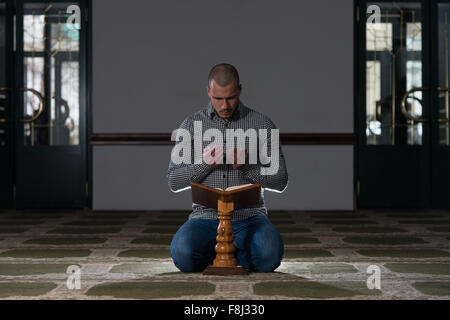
{"x":125,"y":255}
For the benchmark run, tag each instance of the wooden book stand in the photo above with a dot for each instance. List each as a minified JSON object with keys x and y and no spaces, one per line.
{"x":225,"y":202}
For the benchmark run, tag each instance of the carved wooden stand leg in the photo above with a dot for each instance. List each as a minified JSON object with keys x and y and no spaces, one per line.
{"x":225,"y":262}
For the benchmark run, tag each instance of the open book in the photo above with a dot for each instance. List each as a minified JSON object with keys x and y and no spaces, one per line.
{"x":235,"y":187}
{"x":243,"y":196}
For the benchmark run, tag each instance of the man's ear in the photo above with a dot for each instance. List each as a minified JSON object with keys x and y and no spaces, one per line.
{"x":207,"y":91}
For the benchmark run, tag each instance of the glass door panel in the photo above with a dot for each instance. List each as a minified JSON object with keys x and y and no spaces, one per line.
{"x":393,"y":67}
{"x":51,"y":67}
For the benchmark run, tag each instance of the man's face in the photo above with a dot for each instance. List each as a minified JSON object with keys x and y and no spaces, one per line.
{"x":224,"y":99}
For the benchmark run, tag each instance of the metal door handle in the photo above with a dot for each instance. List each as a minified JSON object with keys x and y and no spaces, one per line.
{"x":403,"y":106}
{"x":41,"y":105}
{"x":4,"y":120}
{"x":442,"y":120}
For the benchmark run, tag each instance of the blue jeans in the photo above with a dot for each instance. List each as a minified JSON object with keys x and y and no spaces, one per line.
{"x":259,"y":246}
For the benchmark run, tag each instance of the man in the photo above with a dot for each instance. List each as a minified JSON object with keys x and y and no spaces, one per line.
{"x":259,"y":246}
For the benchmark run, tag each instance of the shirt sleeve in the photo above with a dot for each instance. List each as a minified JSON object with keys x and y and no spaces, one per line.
{"x":273,"y":182}
{"x":180,"y":176}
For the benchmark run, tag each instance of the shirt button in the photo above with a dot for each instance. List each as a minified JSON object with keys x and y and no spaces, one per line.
{"x":224,"y":176}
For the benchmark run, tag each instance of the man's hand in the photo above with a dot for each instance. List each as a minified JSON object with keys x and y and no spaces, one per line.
{"x":238,"y":156}
{"x":213,"y":156}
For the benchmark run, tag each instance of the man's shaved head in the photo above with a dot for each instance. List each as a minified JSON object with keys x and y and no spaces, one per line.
{"x":224,"y":89}
{"x":223,"y":74}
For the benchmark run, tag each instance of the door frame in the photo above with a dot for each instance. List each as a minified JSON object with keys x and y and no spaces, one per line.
{"x":440,"y":154}
{"x":89,"y":101}
{"x":8,"y":186}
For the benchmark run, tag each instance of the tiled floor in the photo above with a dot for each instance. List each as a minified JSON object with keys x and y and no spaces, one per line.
{"x":125,"y":255}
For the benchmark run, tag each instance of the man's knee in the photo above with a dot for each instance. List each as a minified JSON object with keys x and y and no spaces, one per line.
{"x":185,"y":265}
{"x":187,"y":250}
{"x":268,"y":249}
{"x":186,"y":261}
{"x":268,"y":261}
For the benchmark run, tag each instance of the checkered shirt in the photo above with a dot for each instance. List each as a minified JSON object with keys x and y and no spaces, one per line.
{"x":181,"y":175}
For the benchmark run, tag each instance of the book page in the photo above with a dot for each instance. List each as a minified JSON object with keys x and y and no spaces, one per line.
{"x":238,"y":187}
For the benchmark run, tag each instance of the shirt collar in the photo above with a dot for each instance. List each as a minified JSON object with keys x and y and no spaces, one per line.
{"x":212,"y":113}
